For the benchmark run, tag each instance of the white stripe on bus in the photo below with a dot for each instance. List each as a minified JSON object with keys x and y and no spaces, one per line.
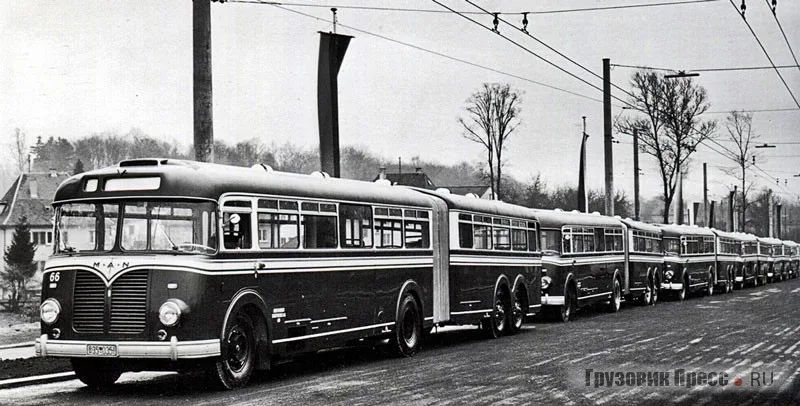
{"x":349,"y":330}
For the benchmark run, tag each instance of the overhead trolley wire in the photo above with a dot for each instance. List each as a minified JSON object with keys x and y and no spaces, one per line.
{"x":549,"y":47}
{"x":784,"y":34}
{"x":529,"y":51}
{"x":438,"y":11}
{"x":419,"y":48}
{"x":766,"y":53}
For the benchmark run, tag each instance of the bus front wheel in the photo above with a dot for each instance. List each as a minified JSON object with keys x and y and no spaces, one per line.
{"x":236,"y":365}
{"x":96,"y":373}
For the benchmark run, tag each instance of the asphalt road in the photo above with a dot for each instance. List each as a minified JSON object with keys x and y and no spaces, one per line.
{"x":753,"y":333}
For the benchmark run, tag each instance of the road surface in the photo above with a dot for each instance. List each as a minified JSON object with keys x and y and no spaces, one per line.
{"x":752,"y":333}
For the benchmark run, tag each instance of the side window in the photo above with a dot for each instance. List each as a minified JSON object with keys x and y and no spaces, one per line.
{"x":355,"y":226}
{"x":418,"y":234}
{"x":567,"y":240}
{"x":533,"y":242}
{"x":277,"y":231}
{"x":319,"y":225}
{"x":482,"y":236}
{"x":501,"y":235}
{"x":388,"y":233}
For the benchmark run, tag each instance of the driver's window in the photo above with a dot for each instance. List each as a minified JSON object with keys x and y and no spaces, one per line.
{"x":236,"y":226}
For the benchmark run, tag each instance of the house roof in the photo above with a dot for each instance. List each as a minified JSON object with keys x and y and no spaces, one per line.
{"x":31,"y":195}
{"x":479,"y":190}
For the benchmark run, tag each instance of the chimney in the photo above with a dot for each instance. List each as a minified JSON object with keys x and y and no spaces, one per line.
{"x":419,"y":170}
{"x":382,"y":172}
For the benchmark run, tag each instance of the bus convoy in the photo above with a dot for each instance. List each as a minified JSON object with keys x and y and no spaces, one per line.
{"x":163,"y":264}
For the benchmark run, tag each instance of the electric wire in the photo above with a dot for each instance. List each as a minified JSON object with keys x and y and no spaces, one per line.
{"x":766,"y":54}
{"x":784,"y":35}
{"x":436,"y":11}
{"x":419,"y":48}
{"x":529,"y":51}
{"x":727,"y":69}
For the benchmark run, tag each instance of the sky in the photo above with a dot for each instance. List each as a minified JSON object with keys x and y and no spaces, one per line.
{"x":72,"y":68}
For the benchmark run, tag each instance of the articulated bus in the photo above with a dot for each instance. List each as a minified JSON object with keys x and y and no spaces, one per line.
{"x":729,"y":259}
{"x":644,"y":261}
{"x":689,"y":260}
{"x":164,"y":264}
{"x":583,"y":261}
{"x":767,"y":249}
{"x":748,"y":273}
{"x":793,"y":251}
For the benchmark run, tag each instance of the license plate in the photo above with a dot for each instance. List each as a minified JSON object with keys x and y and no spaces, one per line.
{"x":98,"y":350}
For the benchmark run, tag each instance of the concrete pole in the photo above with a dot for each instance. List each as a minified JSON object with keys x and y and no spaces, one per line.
{"x":609,"y":161}
{"x":203,"y":117}
{"x":771,"y":214}
{"x":636,"y":209}
{"x":705,"y":195}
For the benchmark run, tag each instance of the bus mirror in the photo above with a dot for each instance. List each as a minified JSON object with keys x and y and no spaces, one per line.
{"x":235,"y":218}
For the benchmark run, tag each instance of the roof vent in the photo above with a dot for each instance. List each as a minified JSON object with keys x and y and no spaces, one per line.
{"x":443,"y":190}
{"x":263,"y":167}
{"x":141,"y":162}
{"x":383,"y":182}
{"x":472,"y":195}
{"x":320,"y":174}
{"x":595,"y":213}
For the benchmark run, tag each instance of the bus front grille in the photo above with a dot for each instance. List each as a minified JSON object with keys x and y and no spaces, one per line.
{"x":129,"y":303}
{"x":89,"y":303}
{"x":126,"y":303}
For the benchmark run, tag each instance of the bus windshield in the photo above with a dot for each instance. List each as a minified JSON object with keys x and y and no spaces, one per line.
{"x":136,"y":225}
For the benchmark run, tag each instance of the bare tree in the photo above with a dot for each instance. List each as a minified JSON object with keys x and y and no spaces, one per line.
{"x":669,"y":124}
{"x":740,"y":132}
{"x":493,"y":115}
{"x":19,"y":149}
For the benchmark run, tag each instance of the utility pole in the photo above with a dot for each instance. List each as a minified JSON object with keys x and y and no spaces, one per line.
{"x":583,"y":200}
{"x":201,"y":52}
{"x":609,"y":161}
{"x":636,"y":174}
{"x":731,"y":216}
{"x":771,"y":214}
{"x":705,"y":195}
{"x":778,"y":219}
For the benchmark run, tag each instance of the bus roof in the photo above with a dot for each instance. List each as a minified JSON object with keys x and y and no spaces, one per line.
{"x":735,"y":235}
{"x":640,"y":225}
{"x":770,"y":240}
{"x":189,"y":179}
{"x":790,"y":243}
{"x":677,"y":230}
{"x":459,"y":202}
{"x":557,"y":219}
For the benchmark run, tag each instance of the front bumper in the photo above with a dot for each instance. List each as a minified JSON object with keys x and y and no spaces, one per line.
{"x":172,"y":350}
{"x":671,"y":286}
{"x":548,"y":300}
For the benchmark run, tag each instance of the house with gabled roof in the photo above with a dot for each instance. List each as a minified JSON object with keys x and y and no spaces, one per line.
{"x":30,"y":195}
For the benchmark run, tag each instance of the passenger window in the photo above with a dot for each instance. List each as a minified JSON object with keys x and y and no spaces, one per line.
{"x":464,"y":235}
{"x":319,"y":231}
{"x":355,"y":226}
{"x":481,"y":237}
{"x":418,"y":234}
{"x":388,"y":233}
{"x":502,"y":238}
{"x":519,"y":239}
{"x":277,"y":231}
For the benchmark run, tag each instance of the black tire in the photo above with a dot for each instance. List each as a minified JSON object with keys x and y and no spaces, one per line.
{"x":616,"y":296}
{"x":96,"y":373}
{"x":684,"y":290}
{"x":407,"y":338}
{"x":647,"y":296}
{"x":498,"y":323}
{"x":710,"y":285}
{"x":518,"y":311}
{"x":656,"y":289}
{"x":566,"y":312}
{"x":235,"y":367}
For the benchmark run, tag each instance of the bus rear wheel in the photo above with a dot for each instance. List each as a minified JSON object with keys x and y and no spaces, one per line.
{"x":96,"y":373}
{"x":656,"y":288}
{"x":518,"y":311}
{"x":497,"y":324}
{"x":408,"y":327}
{"x":236,"y":365}
{"x":616,"y":297}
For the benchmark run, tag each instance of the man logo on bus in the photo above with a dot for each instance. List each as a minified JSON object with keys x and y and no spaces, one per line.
{"x":111,"y":267}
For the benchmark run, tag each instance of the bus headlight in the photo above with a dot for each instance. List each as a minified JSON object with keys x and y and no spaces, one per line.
{"x":49,"y":311}
{"x":170,"y":312}
{"x":546,"y":281}
{"x":668,"y":275}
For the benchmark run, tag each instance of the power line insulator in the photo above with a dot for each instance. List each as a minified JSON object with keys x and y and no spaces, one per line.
{"x":774,"y":6}
{"x":495,"y":21}
{"x":525,"y":22}
{"x":743,"y":7}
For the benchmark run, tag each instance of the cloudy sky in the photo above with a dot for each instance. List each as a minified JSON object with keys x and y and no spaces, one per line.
{"x":71,"y":68}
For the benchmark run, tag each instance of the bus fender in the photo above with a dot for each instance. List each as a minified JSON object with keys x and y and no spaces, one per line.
{"x":410,"y":286}
{"x":242,"y":298}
